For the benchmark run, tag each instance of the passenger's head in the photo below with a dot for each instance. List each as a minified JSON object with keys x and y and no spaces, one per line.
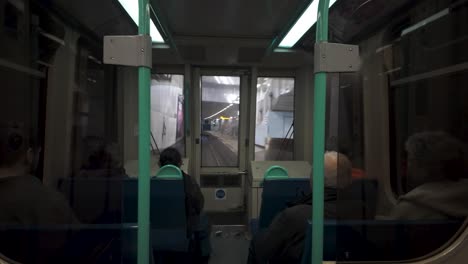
{"x":95,"y":157}
{"x":337,"y":170}
{"x":15,"y":151}
{"x":170,"y":156}
{"x":434,"y":156}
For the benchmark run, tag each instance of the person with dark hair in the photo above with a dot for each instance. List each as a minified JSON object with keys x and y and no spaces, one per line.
{"x":26,"y":200}
{"x":196,"y":220}
{"x":101,"y":159}
{"x":195,"y":200}
{"x":438,"y":186}
{"x":26,"y":203}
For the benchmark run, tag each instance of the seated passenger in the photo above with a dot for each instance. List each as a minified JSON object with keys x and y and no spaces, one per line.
{"x":436,"y":179}
{"x":195,"y":200}
{"x":283,"y":241}
{"x":27,"y":204}
{"x":197,"y":222}
{"x":101,"y":160}
{"x":24,"y":199}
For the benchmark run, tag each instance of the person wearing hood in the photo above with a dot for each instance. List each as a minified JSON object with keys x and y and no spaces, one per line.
{"x":26,"y":203}
{"x":283,"y":240}
{"x":439,"y":188}
{"x":101,"y":160}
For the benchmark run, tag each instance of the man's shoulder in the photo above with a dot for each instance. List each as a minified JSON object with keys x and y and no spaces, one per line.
{"x":298,"y":212}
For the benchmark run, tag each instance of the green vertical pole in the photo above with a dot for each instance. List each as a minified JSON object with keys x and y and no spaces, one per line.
{"x":144,"y":75}
{"x":186,"y":103}
{"x":320,"y":91}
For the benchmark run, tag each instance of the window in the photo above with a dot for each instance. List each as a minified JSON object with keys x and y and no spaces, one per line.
{"x":274,"y":126}
{"x":167,"y":112}
{"x":220,"y":121}
{"x":413,"y":132}
{"x":68,"y":120}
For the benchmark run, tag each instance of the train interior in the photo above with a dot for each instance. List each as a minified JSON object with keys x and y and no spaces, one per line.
{"x":236,"y":100}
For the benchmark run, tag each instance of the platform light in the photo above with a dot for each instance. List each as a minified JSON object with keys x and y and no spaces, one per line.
{"x":131,"y":6}
{"x":302,"y":25}
{"x":219,"y":112}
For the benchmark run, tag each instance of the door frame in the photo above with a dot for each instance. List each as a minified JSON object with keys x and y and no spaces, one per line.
{"x":244,"y":119}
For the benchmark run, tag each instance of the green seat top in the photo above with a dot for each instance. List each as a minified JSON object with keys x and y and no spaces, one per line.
{"x":169,"y":172}
{"x":276,"y":173}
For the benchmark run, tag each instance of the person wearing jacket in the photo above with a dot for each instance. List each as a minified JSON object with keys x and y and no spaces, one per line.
{"x":283,"y":240}
{"x":438,"y":186}
{"x":197,"y":221}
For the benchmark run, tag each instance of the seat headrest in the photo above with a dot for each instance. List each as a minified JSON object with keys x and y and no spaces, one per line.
{"x":169,"y":172}
{"x":276,"y":173}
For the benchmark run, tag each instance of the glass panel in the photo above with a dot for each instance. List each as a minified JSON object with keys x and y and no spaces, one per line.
{"x":220,"y":121}
{"x":274,"y":126}
{"x":167,"y":112}
{"x":67,"y":127}
{"x":401,"y":120}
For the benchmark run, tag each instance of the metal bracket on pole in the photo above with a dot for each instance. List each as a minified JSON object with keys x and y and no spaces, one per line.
{"x":335,"y":57}
{"x":133,"y":51}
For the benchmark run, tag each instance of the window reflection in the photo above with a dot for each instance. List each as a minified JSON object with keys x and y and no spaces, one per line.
{"x":413,"y":69}
{"x":62,"y":137}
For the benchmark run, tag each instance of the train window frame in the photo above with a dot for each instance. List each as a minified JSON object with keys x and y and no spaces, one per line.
{"x":394,"y":185}
{"x":264,"y":73}
{"x":216,"y":73}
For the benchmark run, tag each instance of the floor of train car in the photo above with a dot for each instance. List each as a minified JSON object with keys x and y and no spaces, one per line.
{"x":230,"y":244}
{"x":230,"y":237}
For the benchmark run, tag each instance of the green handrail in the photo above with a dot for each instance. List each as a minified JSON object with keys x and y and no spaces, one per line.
{"x":320,"y":91}
{"x":144,"y":79}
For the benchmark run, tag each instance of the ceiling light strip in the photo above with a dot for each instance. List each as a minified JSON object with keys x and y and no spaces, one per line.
{"x":302,"y":25}
{"x":131,"y":7}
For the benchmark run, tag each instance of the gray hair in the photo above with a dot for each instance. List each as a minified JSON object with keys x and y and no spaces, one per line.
{"x":338,"y":169}
{"x":440,"y":155}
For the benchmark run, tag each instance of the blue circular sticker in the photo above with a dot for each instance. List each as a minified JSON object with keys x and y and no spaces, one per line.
{"x":220,"y":194}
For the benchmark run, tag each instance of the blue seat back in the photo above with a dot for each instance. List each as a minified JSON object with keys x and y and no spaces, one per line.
{"x":167,"y":211}
{"x":94,"y":200}
{"x":358,"y":200}
{"x":382,"y":240}
{"x":277,"y":194}
{"x":67,"y":244}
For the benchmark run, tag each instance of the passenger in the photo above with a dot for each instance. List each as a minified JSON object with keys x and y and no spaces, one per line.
{"x":24,"y":199}
{"x":196,"y":221}
{"x":25,"y":203}
{"x":436,"y":178}
{"x":101,"y":160}
{"x":283,"y":241}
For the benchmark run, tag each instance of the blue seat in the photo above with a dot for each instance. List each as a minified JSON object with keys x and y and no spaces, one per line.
{"x":358,"y":200}
{"x":167,"y":210}
{"x":94,"y":200}
{"x":54,"y":244}
{"x":383,"y":240}
{"x":277,"y":193}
